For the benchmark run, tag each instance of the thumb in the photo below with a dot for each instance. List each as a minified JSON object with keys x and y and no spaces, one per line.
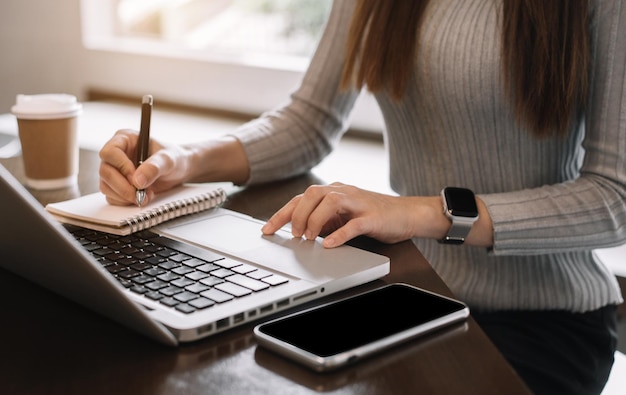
{"x":147,"y":173}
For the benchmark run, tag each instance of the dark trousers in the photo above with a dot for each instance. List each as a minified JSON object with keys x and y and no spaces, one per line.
{"x":556,"y":352}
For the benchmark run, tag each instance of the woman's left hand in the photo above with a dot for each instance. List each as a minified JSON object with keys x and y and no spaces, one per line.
{"x":344,"y":212}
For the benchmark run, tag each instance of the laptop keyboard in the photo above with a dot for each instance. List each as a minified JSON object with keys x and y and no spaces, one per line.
{"x":173,"y":273}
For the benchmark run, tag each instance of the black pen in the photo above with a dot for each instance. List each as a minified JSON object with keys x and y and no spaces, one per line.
{"x":143,"y":144}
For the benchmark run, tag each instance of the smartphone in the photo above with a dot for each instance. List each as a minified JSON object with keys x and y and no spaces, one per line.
{"x":342,"y":332}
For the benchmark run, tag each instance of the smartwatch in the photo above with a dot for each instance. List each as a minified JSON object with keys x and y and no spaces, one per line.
{"x":459,"y":206}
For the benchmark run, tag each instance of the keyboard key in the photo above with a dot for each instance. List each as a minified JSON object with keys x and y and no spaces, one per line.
{"x":217,"y":296}
{"x":247,"y":282}
{"x":140,"y":267}
{"x":128,"y":274}
{"x":221,"y":273}
{"x":201,"y":303}
{"x":153,"y":248}
{"x":154,"y":271}
{"x":129,"y":250}
{"x":91,"y":246}
{"x":209,"y":267}
{"x":155,"y":285}
{"x":233,"y":289}
{"x":243,"y":269}
{"x":169,"y":265}
{"x":185,"y":296}
{"x":141,"y":244}
{"x":185,"y":308}
{"x":167,"y":277}
{"x":259,"y":274}
{"x":113,"y":269}
{"x":197,"y":288}
{"x":211,"y":281}
{"x":115,"y":256}
{"x":105,"y":262}
{"x":153,"y":260}
{"x":182,"y":270}
{"x":111,"y":243}
{"x":274,"y":280}
{"x":101,"y":251}
{"x":196,"y":275}
{"x":125,"y":282}
{"x":128,"y":261}
{"x":178,"y":257}
{"x":171,"y":302}
{"x":193,"y":262}
{"x":182,"y":282}
{"x":166,"y":253}
{"x":227,"y":263}
{"x":170,"y":290}
{"x":138,"y":289}
{"x":142,"y":279}
{"x":154,"y":295}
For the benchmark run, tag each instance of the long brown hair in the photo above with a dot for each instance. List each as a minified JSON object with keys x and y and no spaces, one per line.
{"x":545,"y":55}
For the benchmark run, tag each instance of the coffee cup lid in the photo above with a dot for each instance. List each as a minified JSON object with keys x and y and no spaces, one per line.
{"x":46,"y":106}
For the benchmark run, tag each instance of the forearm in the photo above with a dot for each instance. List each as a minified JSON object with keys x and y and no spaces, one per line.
{"x":218,"y":160}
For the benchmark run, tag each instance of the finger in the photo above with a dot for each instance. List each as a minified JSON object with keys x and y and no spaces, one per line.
{"x":114,"y":185}
{"x":111,"y":196}
{"x":146,"y":174}
{"x":117,"y":151}
{"x":345,"y":233}
{"x":327,"y":214}
{"x":281,"y":218}
{"x":309,"y":201}
{"x":156,"y":166}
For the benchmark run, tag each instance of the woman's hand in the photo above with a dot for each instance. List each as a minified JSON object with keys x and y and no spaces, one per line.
{"x":344,"y":212}
{"x":219,"y":159}
{"x":119,"y":179}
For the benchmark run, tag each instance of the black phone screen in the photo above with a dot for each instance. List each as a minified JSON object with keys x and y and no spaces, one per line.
{"x":356,"y":321}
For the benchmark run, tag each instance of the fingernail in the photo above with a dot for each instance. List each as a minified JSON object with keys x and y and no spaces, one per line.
{"x":329,"y":242}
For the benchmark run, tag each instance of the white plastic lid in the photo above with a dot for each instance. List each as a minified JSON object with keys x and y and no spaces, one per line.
{"x":46,"y":106}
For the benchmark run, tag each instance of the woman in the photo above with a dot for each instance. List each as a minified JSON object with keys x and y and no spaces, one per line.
{"x":522,"y":102}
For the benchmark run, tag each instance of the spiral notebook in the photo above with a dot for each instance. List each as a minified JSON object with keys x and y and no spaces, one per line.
{"x":94,"y":212}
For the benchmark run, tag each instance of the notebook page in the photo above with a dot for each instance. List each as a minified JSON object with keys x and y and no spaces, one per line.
{"x":94,"y":208}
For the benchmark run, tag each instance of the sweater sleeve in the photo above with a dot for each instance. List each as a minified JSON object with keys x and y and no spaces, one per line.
{"x":293,"y":138}
{"x":589,"y":211}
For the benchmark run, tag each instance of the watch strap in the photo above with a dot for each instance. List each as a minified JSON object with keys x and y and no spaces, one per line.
{"x":457,"y":232}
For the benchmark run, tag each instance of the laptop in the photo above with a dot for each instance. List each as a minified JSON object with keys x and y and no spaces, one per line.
{"x":210,"y":271}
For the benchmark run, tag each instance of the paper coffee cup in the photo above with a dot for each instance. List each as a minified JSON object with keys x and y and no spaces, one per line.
{"x":47,"y":127}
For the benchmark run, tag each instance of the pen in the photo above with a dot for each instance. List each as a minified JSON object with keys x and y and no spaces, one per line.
{"x":144,"y":141}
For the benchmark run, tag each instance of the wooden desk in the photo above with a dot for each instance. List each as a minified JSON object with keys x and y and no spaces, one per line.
{"x":53,"y":346}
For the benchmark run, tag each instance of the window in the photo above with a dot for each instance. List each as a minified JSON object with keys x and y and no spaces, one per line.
{"x":238,"y":55}
{"x":232,"y":27}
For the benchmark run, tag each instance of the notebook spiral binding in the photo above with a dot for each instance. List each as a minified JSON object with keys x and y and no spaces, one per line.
{"x":175,"y":209}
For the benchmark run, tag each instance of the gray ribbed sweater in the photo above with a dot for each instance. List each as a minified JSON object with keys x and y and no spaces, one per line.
{"x":552,"y":201}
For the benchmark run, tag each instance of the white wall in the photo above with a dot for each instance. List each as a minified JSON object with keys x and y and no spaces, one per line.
{"x":40,"y":48}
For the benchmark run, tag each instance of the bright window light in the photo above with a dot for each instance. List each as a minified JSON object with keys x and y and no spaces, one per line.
{"x":231,"y":28}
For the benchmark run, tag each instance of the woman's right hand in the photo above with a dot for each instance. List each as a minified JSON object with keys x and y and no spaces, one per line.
{"x":166,"y":167}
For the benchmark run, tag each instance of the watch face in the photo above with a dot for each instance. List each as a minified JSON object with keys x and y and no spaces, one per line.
{"x":460,"y":202}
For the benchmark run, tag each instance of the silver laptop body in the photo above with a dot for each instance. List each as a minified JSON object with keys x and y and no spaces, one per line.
{"x":37,"y":247}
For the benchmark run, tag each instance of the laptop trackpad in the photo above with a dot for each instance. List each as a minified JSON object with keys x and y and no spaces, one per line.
{"x":226,"y":233}
{"x":281,"y":252}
